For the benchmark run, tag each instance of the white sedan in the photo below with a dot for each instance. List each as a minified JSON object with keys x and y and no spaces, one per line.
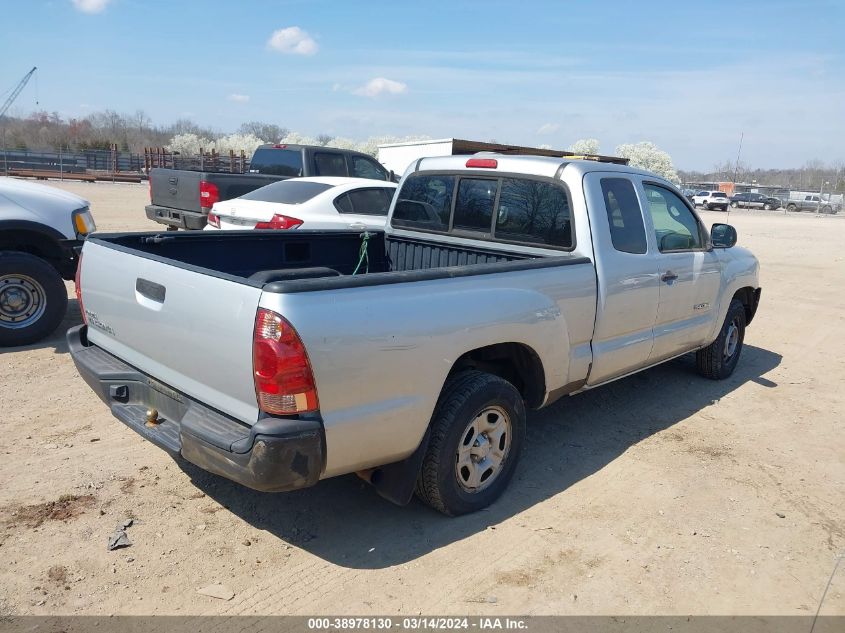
{"x":307,"y":203}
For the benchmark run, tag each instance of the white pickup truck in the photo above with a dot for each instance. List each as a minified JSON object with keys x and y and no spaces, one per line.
{"x":409,"y":356}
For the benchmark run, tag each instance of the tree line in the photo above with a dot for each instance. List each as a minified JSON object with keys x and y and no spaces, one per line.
{"x":49,"y":131}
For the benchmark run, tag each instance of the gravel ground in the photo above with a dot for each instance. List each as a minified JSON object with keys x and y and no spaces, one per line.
{"x":661,"y":493}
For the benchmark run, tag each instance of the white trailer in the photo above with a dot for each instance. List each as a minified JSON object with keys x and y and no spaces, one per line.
{"x":398,"y":156}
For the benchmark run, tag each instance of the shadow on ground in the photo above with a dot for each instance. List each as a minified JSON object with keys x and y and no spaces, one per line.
{"x":57,"y":339}
{"x":341,"y":519}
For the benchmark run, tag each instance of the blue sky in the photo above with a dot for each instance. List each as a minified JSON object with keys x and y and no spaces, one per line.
{"x":688,"y":76}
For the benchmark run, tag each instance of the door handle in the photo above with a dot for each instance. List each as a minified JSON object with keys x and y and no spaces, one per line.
{"x":668,"y":277}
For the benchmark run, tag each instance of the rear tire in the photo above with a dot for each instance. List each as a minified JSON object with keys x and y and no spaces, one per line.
{"x":791,"y":207}
{"x":718,"y":360}
{"x":477,"y":433}
{"x":734,"y":205}
{"x":33,"y":299}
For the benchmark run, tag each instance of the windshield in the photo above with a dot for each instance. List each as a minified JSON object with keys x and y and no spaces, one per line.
{"x":287,"y":192}
{"x":719,"y":194}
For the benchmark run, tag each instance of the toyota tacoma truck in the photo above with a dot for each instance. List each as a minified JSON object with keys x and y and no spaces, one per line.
{"x":409,"y":356}
{"x":181,"y":198}
{"x":41,"y":228}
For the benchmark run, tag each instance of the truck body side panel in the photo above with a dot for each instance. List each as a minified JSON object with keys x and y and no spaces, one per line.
{"x":381,"y":356}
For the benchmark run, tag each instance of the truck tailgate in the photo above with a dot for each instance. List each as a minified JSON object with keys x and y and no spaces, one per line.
{"x":190,"y":331}
{"x":176,"y":188}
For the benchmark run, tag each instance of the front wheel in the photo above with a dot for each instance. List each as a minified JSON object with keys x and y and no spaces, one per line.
{"x":718,"y":360}
{"x":734,"y":205}
{"x":767,"y":207}
{"x":33,"y":299}
{"x":477,"y":433}
{"x":827,"y":209}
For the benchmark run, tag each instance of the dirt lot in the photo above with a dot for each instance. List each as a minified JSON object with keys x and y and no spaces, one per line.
{"x":661,"y":493}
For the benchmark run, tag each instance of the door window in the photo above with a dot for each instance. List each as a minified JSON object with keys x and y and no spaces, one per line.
{"x":330,"y":164}
{"x":367,"y":168}
{"x":675,"y":226}
{"x":624,"y":216}
{"x":374,"y":201}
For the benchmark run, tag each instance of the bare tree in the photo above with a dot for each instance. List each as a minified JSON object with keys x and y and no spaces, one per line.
{"x":269,"y":132}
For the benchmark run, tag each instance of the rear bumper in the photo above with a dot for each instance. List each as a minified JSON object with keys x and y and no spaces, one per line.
{"x":179,"y":218}
{"x":274,"y":455}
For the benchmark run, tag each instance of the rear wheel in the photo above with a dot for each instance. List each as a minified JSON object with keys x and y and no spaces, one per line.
{"x":827,"y":209}
{"x":734,"y":204}
{"x":767,"y":207}
{"x":33,"y":299}
{"x":718,"y":360}
{"x":477,"y":433}
{"x":791,"y":207}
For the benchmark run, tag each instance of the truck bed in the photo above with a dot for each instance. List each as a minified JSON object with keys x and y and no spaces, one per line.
{"x":296,"y":261}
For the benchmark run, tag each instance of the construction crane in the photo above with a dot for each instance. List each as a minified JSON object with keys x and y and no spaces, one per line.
{"x":21,"y":85}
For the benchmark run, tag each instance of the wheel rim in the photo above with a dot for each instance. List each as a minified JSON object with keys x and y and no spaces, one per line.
{"x":731,"y":340}
{"x":483,"y":449}
{"x":22,"y":301}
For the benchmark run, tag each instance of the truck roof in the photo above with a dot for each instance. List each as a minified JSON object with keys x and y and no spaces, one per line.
{"x":524,"y":164}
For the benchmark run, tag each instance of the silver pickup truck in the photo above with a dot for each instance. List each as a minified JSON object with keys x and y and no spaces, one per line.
{"x":500,"y":284}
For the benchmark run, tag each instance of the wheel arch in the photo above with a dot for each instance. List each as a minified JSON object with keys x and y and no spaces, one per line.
{"x":750,"y":299}
{"x":517,"y":363}
{"x":34,"y":239}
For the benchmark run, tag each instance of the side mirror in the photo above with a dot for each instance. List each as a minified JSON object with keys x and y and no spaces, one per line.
{"x":722,"y":235}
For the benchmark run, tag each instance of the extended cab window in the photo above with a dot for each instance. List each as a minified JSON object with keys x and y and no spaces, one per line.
{"x":276,"y":162}
{"x":627,"y":232}
{"x":425,"y":202}
{"x":330,"y":164}
{"x":474,"y":205}
{"x":367,"y":168}
{"x":533,"y":211}
{"x":675,"y":226}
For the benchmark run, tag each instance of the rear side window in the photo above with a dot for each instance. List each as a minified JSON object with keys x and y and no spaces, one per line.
{"x":329,"y":164}
{"x":367,"y":168}
{"x":375,"y":201}
{"x":533,"y":211}
{"x":425,"y":202}
{"x":287,"y":192}
{"x":277,"y":162}
{"x":627,"y":231}
{"x":474,"y":205}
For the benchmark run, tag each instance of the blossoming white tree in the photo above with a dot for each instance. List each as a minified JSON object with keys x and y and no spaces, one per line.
{"x":585,"y":146}
{"x":646,"y":155}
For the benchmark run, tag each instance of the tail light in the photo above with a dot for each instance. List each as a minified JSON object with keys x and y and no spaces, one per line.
{"x":284,"y":382}
{"x":78,"y":283}
{"x":280,"y":221}
{"x":213,"y":219}
{"x":209,"y":194}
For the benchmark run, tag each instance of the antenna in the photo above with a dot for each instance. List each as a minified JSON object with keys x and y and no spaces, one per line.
{"x":736,"y":170}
